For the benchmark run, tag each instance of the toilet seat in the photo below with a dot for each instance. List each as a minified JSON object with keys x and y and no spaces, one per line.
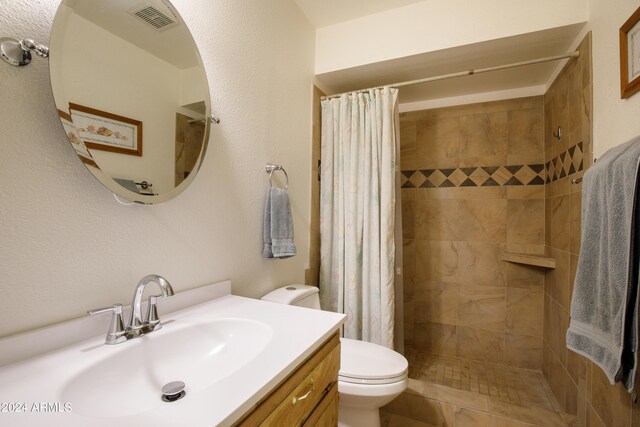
{"x":366,"y":363}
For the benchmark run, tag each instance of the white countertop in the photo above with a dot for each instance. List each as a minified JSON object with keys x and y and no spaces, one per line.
{"x":297,"y":333}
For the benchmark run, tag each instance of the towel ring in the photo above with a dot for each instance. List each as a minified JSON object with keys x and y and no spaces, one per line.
{"x":271,"y":168}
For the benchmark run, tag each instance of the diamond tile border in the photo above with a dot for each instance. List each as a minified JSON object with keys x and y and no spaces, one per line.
{"x":565,"y":164}
{"x":480,"y":176}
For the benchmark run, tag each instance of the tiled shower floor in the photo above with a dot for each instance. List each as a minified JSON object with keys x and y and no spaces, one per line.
{"x":512,"y":385}
{"x":451,"y":392}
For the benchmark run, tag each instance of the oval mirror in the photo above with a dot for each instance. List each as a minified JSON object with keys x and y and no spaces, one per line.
{"x":132,"y":95}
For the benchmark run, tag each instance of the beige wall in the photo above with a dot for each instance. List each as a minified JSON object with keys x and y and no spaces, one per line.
{"x":192,"y":86}
{"x":615,"y":120}
{"x":68,"y":246}
{"x":461,"y":299}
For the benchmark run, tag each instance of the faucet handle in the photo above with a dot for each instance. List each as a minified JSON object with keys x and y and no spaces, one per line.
{"x":152,"y":315}
{"x":116,"y":333}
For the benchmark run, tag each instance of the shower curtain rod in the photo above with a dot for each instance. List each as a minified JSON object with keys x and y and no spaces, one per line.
{"x":573,"y":54}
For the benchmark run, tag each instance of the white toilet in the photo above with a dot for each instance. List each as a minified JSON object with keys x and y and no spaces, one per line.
{"x":370,"y":375}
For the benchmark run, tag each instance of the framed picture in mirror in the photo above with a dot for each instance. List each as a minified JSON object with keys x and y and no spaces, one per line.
{"x":74,"y":138}
{"x":105,"y":131}
{"x":630,"y":56}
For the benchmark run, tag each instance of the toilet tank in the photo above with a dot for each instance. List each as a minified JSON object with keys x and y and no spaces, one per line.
{"x":298,"y":295}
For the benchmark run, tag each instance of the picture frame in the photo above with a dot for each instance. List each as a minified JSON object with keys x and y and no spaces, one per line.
{"x":105,"y":131}
{"x":73,"y":137}
{"x":630,"y":56}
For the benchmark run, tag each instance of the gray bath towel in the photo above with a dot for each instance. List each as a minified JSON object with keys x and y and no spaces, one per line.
{"x":604,"y":306}
{"x":278,"y":225}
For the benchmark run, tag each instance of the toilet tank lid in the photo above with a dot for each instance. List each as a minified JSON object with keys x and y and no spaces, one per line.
{"x":290,"y":294}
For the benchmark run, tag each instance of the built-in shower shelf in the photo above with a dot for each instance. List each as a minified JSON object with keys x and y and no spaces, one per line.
{"x":535,"y":260}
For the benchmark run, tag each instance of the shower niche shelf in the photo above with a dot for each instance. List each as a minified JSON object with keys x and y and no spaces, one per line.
{"x":528,"y":259}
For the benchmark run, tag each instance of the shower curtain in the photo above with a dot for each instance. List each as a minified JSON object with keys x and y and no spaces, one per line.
{"x":357,"y":212}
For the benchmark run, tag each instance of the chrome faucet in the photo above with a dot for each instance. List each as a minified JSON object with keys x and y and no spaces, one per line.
{"x":136,"y":322}
{"x":137,"y":326}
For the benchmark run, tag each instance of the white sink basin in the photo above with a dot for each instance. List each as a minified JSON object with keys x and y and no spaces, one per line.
{"x":229,"y":351}
{"x":199,"y":354}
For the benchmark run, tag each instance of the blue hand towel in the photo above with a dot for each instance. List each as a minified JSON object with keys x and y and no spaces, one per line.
{"x":604,"y":307}
{"x":278,"y":225}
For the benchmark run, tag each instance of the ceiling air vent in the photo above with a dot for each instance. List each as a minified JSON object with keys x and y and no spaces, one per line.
{"x":154,"y":17}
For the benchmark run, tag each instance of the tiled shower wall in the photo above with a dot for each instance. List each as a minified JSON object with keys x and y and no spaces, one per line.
{"x":470,"y":192}
{"x":579,"y":386}
{"x":568,"y":107}
{"x":473,"y":188}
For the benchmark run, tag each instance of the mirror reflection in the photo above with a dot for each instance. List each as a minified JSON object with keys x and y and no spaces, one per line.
{"x":131,"y":93}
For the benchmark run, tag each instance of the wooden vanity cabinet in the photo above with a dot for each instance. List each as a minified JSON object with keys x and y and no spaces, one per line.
{"x":307,"y":397}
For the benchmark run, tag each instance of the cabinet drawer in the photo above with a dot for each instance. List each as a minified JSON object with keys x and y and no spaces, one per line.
{"x":297,"y":406}
{"x":326,"y":413}
{"x":312,"y":378}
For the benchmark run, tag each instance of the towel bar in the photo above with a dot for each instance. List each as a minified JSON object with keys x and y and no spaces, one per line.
{"x":271,"y":168}
{"x":18,"y":52}
{"x":579,"y":180}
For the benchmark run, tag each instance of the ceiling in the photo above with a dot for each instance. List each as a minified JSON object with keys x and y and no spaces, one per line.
{"x":491,"y":53}
{"x":175,"y":45}
{"x":322,"y":13}
{"x":508,"y":50}
{"x":112,"y":16}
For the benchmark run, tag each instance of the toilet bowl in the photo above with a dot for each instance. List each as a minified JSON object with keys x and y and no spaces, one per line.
{"x":370,"y":375}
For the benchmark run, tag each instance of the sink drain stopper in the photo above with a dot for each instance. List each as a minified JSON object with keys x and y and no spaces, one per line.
{"x":173,"y":391}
